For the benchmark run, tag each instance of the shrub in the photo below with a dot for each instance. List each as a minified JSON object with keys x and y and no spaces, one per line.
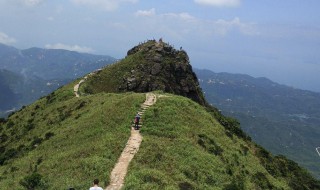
{"x":34,"y":181}
{"x":209,"y":145}
{"x":10,"y":124}
{"x":2,"y":120}
{"x":3,"y":138}
{"x":261,"y":180}
{"x":49,"y":135}
{"x":9,"y":154}
{"x":36,"y":141}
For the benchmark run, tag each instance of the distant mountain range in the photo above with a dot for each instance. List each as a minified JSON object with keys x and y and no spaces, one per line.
{"x":26,"y":75}
{"x":283,"y":119}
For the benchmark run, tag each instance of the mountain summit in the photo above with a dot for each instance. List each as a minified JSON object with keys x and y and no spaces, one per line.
{"x":150,"y":66}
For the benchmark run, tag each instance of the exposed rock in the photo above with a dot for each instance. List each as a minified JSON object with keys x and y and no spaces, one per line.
{"x":156,"y":68}
{"x":166,"y":69}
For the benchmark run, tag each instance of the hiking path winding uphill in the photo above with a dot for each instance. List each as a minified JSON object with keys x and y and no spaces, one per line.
{"x":120,"y":170}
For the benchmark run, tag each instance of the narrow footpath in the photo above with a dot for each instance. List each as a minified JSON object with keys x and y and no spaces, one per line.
{"x":120,"y":170}
{"x":77,"y":86}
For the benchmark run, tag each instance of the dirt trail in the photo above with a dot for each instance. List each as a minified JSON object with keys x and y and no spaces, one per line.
{"x":120,"y":170}
{"x":77,"y":86}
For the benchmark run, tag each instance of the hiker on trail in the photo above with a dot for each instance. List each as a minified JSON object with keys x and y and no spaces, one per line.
{"x":136,"y":121}
{"x":95,"y":185}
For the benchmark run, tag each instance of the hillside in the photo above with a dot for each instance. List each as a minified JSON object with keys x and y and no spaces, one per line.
{"x":7,"y":95}
{"x":37,"y":72}
{"x":62,"y":141}
{"x":50,"y":63}
{"x":282,"y":119}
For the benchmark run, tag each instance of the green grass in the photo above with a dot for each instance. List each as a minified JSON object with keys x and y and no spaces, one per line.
{"x":110,"y":78}
{"x":184,"y":147}
{"x":80,"y":138}
{"x":70,"y":141}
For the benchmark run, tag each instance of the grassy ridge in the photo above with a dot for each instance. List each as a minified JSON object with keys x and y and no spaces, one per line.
{"x":183,"y":147}
{"x":69,"y":141}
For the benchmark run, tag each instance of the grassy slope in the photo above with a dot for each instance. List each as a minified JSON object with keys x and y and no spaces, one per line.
{"x":181,"y":149}
{"x":183,"y":145}
{"x":89,"y":135}
{"x":109,"y":79}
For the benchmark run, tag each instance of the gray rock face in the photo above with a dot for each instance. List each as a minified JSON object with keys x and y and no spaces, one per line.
{"x":166,"y":69}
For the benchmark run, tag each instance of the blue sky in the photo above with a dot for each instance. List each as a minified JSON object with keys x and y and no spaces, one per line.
{"x":277,"y":39}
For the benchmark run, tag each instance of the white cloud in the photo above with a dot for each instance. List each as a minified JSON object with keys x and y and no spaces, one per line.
{"x":108,"y":5}
{"x":77,"y":48}
{"x":186,"y":24}
{"x":182,"y":16}
{"x":219,"y":3}
{"x":28,"y":3}
{"x":150,"y":12}
{"x":32,"y":2}
{"x":5,"y":39}
{"x":222,"y":27}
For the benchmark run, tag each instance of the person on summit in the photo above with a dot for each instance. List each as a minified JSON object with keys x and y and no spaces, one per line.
{"x":95,"y":185}
{"x":136,"y":122}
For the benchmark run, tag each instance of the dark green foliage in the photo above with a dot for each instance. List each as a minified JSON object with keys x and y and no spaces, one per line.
{"x":3,"y":138}
{"x":231,"y":124}
{"x":29,"y":126}
{"x":34,"y":181}
{"x":237,"y":183}
{"x":261,"y":181}
{"x":185,"y":186}
{"x":49,"y":135}
{"x":36,"y":141}
{"x":2,"y":120}
{"x":280,"y":166}
{"x":7,"y":155}
{"x":209,"y":144}
{"x":10,"y":123}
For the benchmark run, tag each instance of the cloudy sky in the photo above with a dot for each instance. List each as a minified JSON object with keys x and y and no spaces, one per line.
{"x":278,"y":39}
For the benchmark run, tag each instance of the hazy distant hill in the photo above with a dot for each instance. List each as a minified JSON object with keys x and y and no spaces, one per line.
{"x":50,"y":63}
{"x":283,"y":119}
{"x":61,"y":140}
{"x":7,"y":96}
{"x":37,"y":72}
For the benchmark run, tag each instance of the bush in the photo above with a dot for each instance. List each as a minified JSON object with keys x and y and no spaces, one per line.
{"x":261,"y":181}
{"x":10,"y":124}
{"x":209,"y":145}
{"x":3,"y":120}
{"x":49,"y":135}
{"x":9,"y":154}
{"x":36,"y":141}
{"x":34,"y":181}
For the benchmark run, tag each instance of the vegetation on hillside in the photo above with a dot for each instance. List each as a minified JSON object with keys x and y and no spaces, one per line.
{"x":280,"y":118}
{"x":67,"y":141}
{"x":184,"y":147}
{"x":63,"y":141}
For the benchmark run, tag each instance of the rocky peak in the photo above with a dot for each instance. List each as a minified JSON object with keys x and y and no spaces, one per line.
{"x":149,"y":66}
{"x":165,"y":68}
